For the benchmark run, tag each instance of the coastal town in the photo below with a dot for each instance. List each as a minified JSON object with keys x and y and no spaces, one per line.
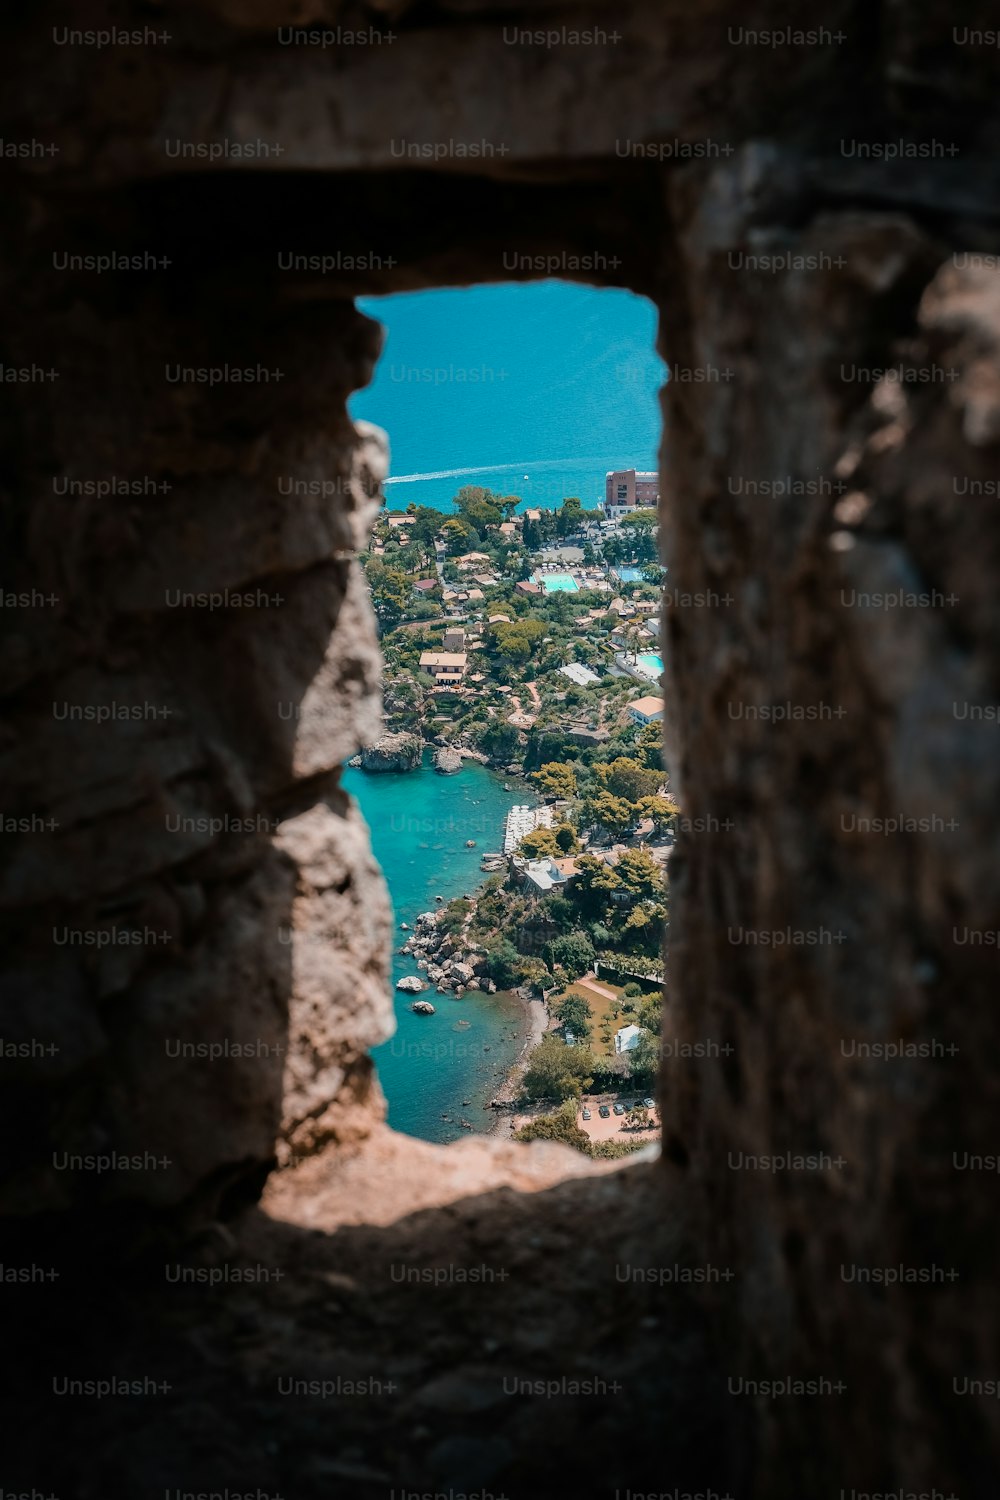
{"x":529,"y":640}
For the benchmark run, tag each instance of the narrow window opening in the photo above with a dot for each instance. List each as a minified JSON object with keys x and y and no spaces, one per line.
{"x":517,"y":800}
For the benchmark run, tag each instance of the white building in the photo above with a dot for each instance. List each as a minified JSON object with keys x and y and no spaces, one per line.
{"x":628,"y":1038}
{"x":646,"y":710}
{"x":578,"y":673}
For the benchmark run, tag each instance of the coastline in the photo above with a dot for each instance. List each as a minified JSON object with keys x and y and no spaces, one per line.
{"x":536,"y":1021}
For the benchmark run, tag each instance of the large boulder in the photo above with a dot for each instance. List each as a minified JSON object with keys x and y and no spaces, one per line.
{"x":393,"y":752}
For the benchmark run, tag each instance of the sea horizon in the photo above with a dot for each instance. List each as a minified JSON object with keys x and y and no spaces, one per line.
{"x":532,"y":389}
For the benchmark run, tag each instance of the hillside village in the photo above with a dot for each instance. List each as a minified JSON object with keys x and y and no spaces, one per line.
{"x":531,"y":641}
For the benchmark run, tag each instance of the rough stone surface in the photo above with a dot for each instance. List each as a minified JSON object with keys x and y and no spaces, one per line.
{"x":447,"y":761}
{"x":393,"y":752}
{"x":209,"y":820}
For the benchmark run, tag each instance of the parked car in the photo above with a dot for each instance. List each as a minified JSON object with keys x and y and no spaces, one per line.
{"x":586,"y":1114}
{"x":604,"y":1112}
{"x":649,"y":1103}
{"x":619,"y":1109}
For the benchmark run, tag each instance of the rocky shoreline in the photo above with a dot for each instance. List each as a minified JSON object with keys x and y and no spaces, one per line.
{"x":451,"y":966}
{"x":401,"y":750}
{"x":454,"y":967}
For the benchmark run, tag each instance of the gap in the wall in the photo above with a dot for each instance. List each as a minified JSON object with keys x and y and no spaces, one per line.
{"x":502,"y":403}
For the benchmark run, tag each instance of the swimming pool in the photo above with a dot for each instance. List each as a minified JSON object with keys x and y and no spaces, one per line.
{"x":650,"y":665}
{"x":629,"y":575}
{"x":557,"y":583}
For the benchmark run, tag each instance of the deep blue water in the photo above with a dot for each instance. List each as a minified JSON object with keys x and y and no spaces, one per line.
{"x":534,"y":390}
{"x":419,"y":822}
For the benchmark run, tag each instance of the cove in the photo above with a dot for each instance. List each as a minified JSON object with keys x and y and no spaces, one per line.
{"x":419,"y":822}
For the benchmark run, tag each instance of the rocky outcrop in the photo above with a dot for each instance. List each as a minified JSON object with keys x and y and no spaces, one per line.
{"x":410,"y":984}
{"x":393,"y":752}
{"x":447,"y":761}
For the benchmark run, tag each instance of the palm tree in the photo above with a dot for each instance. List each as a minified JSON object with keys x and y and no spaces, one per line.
{"x":633,"y":640}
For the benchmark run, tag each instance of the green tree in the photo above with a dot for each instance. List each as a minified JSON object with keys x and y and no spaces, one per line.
{"x":499,"y":741}
{"x":628,"y":778}
{"x":573,"y":952}
{"x":609,"y":812}
{"x":560,"y":912}
{"x":575,"y":1012}
{"x":644,"y":1061}
{"x":565,"y":837}
{"x":502,"y":964}
{"x":457,"y":535}
{"x":649,"y":747}
{"x":559,"y":1126}
{"x":481,"y":508}
{"x":662,"y":810}
{"x":516,"y":641}
{"x":540,"y":844}
{"x":639,"y":873}
{"x":568,"y":516}
{"x":556,"y":779}
{"x":637,"y":1118}
{"x":390,"y":590}
{"x":556,"y":1071}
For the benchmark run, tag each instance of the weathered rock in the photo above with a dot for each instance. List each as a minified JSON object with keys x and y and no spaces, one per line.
{"x":393,"y":752}
{"x":447,"y":761}
{"x":411,"y":984}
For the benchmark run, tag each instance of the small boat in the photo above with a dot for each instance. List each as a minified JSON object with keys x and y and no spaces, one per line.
{"x":470,"y":843}
{"x":438,"y":898}
{"x":404,"y":926}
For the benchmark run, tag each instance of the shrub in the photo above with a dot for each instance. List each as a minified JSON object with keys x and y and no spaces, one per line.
{"x":560,"y":1126}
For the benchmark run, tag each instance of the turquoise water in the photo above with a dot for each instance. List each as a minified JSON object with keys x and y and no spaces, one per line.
{"x":557,"y":583}
{"x":652,"y":663}
{"x":534,"y":390}
{"x":629,"y":575}
{"x":419,"y":822}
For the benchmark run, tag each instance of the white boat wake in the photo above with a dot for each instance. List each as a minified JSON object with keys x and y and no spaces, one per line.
{"x":517,"y":468}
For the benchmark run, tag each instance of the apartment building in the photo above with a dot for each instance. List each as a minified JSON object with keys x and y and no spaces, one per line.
{"x":628,"y":489}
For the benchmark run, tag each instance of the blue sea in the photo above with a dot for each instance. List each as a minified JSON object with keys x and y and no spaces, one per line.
{"x":532,"y":389}
{"x":420,"y":822}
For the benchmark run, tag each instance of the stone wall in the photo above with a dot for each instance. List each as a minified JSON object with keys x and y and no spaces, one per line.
{"x":197,"y":660}
{"x":796,"y":489}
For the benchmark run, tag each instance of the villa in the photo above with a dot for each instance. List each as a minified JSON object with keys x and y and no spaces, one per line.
{"x":646,"y":710}
{"x":527,"y":587}
{"x":540,"y":876}
{"x":446,"y":667}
